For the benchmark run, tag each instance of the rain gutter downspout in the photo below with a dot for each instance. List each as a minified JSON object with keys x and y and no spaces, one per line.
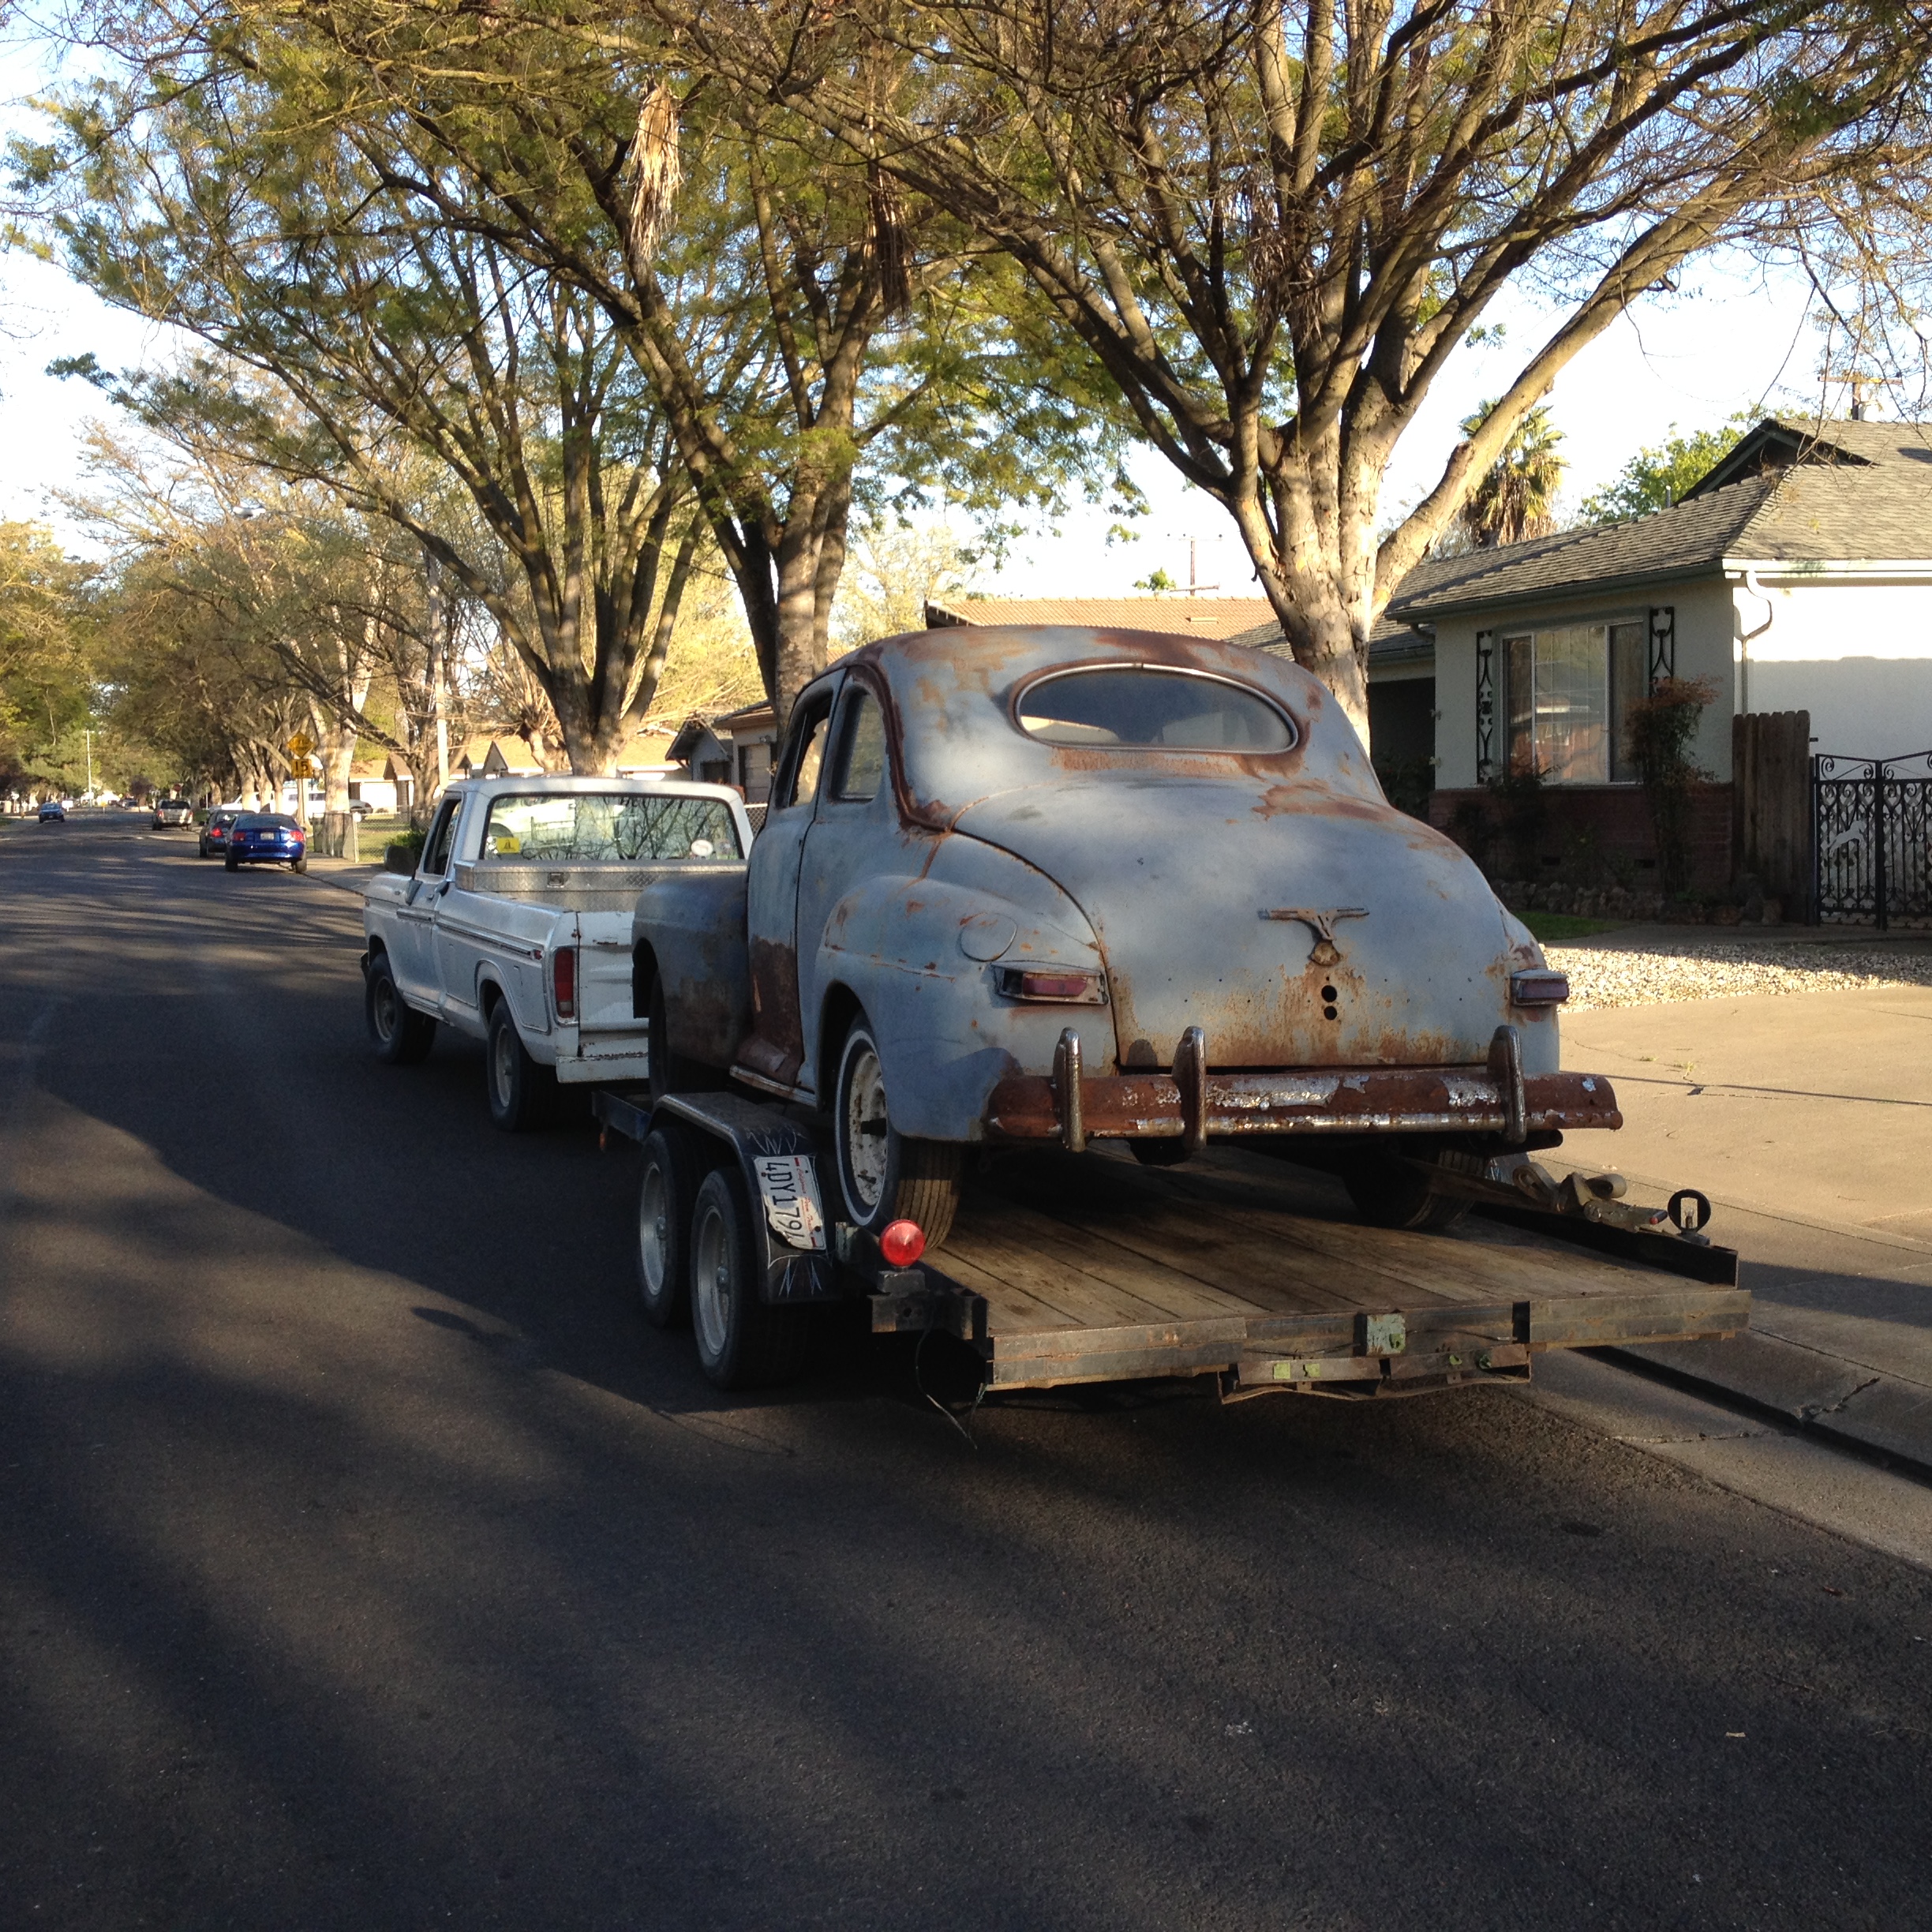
{"x":1745,"y":636}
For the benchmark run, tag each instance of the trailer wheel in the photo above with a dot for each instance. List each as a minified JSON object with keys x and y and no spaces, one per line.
{"x":1389,"y":1193}
{"x":742,"y":1342}
{"x":664,"y":1203}
{"x":400,"y":1035}
{"x":521,"y":1094}
{"x":884,"y":1175}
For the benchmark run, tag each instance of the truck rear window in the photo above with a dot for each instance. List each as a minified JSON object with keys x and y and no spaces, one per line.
{"x":596,"y":828}
{"x":1146,"y":707}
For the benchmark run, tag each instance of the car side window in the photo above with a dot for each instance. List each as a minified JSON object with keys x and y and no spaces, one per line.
{"x":442,"y":834}
{"x":861,"y":767}
{"x":798,"y":779}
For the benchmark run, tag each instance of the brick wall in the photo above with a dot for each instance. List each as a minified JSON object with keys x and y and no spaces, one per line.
{"x":1587,"y":835}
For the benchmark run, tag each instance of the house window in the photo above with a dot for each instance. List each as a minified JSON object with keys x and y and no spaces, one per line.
{"x":1569,"y":692}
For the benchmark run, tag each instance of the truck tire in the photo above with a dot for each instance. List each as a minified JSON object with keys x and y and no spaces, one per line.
{"x":666,"y":1193}
{"x":521,"y":1092}
{"x":400,"y":1035}
{"x":1388,"y":1193}
{"x":884,"y":1175}
{"x":742,"y":1342}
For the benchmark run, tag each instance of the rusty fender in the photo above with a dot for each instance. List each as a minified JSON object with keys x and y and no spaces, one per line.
{"x":1455,"y":1099}
{"x":693,"y":922}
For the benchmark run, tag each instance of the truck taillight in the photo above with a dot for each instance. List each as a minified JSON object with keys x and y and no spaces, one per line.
{"x":1055,"y":983}
{"x":563,"y":981}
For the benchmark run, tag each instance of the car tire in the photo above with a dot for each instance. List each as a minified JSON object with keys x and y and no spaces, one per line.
{"x":884,"y":1175}
{"x":299,"y":865}
{"x":671,"y":1072}
{"x":666,"y":1193}
{"x":743,"y":1342}
{"x":1159,"y":1153}
{"x":400,"y":1036}
{"x":230,"y":862}
{"x":521,"y":1092}
{"x":1390,"y":1192}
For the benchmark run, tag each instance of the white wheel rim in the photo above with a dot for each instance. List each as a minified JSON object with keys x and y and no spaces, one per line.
{"x":653,"y":1230}
{"x":866,"y":1125}
{"x":711,"y":1283}
{"x":385,"y":1009}
{"x":502,"y":1067}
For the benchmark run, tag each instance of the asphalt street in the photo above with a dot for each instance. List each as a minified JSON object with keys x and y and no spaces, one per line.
{"x":366,"y":1561}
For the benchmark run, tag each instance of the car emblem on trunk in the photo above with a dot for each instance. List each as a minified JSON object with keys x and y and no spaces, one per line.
{"x":1322,"y":925}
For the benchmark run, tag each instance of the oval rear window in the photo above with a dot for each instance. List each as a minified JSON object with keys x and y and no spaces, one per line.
{"x":1146,"y":707}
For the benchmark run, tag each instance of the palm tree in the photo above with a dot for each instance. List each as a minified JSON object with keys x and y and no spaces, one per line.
{"x":1517,"y":498}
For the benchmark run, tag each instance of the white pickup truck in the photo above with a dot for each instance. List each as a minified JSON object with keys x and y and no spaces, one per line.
{"x":515,"y":927}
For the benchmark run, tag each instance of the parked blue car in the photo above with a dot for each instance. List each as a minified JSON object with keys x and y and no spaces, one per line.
{"x":259,"y":838}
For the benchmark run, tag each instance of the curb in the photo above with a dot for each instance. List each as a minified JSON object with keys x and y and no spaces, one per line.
{"x":1882,"y":1417}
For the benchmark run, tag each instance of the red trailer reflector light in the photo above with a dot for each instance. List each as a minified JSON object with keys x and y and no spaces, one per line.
{"x":902,"y":1243}
{"x":563,"y":981}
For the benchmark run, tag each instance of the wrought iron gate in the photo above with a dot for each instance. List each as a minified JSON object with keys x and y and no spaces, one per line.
{"x":1871,"y":843}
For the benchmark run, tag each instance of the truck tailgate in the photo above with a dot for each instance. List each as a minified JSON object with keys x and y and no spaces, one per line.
{"x":1092,"y":1268}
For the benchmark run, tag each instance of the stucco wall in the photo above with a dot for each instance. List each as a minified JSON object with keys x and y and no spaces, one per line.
{"x":1857,"y":656}
{"x":1704,"y":625}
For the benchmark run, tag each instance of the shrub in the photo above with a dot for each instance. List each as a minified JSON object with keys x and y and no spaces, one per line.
{"x":1662,"y":727}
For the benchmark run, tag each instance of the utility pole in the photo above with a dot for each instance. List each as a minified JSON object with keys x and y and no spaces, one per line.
{"x":89,"y":737}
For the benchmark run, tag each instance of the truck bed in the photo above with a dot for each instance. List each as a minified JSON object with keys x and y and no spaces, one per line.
{"x":1092,"y":1268}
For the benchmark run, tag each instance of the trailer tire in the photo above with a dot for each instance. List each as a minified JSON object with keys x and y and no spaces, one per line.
{"x":1389,"y":1193}
{"x":743,"y":1342}
{"x":667,"y":1192}
{"x":903,"y":1179}
{"x":521,"y":1094}
{"x":400,"y":1036}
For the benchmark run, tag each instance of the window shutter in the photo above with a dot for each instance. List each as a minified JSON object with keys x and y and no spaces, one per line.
{"x":1485,"y":706}
{"x":1663,"y":643}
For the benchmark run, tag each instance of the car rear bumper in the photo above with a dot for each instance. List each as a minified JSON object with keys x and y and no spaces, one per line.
{"x":1308,"y":1101}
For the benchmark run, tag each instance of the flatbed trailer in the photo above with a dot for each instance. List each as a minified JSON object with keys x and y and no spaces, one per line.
{"x":1090,"y":1268}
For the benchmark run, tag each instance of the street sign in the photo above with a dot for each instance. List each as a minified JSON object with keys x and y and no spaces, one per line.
{"x":299,"y":746}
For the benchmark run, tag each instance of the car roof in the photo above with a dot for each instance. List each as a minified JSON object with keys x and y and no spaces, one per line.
{"x":953,"y":691}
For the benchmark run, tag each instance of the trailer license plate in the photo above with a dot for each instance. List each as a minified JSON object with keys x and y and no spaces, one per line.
{"x":790,"y":1190}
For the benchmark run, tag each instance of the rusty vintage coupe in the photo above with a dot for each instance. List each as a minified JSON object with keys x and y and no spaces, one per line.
{"x":1042,"y":885}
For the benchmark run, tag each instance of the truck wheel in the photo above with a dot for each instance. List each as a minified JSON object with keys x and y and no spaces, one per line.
{"x":519,"y":1089}
{"x":664,"y":1202}
{"x":884,"y":1175}
{"x":400,"y":1035}
{"x":1388,"y":1193}
{"x":742,"y":1342}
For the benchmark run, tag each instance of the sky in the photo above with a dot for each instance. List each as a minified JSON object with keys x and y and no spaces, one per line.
{"x":1731,"y":339}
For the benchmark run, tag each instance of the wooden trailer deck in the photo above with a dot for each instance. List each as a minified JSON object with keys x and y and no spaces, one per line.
{"x":1092,"y":1268}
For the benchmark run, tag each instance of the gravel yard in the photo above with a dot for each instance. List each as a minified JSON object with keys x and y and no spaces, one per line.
{"x":1659,"y":970}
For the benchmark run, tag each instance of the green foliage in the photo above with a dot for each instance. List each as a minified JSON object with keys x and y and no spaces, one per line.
{"x":1658,"y":476}
{"x":1558,"y":928}
{"x":46,"y":683}
{"x":1156,"y":582}
{"x":1516,"y":497}
{"x":1662,"y":729}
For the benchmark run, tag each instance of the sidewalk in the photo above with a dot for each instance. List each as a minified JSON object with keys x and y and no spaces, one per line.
{"x":1807,"y":1119}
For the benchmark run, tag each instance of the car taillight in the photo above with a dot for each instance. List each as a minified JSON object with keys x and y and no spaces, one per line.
{"x":1539,"y":988}
{"x":563,"y":981}
{"x":1025,"y":982}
